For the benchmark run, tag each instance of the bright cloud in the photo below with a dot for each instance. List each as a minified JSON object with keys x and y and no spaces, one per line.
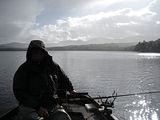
{"x":158,"y":22}
{"x":122,"y":23}
{"x":126,"y":24}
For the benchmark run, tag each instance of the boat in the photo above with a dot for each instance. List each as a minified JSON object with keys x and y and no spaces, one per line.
{"x":80,"y":107}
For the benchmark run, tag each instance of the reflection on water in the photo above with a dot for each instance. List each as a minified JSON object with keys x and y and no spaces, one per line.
{"x":141,"y":110}
{"x":138,"y":108}
{"x":150,"y":55}
{"x":154,"y":116}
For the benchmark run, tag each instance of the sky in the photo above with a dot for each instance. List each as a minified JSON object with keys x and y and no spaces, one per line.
{"x":55,"y":21}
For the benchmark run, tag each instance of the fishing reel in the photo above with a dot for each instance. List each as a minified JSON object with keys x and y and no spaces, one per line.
{"x":109,"y":101}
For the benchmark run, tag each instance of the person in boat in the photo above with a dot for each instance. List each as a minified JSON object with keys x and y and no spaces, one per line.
{"x":37,"y":82}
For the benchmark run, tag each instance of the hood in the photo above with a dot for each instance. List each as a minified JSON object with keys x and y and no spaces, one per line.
{"x":35,"y":44}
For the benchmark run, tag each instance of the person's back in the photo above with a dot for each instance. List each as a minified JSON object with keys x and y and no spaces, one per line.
{"x":37,"y":81}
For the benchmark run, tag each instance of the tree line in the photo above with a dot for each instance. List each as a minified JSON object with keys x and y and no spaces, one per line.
{"x":151,"y":46}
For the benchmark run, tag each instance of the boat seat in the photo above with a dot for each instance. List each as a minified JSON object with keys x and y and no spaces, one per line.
{"x":76,"y":115}
{"x":91,"y":107}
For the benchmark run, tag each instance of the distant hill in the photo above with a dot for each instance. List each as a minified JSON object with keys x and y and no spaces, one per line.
{"x":150,"y":46}
{"x":89,"y":47}
{"x":13,"y":46}
{"x":97,"y":47}
{"x":91,"y":41}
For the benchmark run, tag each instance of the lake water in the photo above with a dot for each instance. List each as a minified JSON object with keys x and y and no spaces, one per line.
{"x":99,"y":73}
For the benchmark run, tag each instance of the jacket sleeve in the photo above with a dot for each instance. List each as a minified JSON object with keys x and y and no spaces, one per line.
{"x":20,"y":89}
{"x":64,"y":80}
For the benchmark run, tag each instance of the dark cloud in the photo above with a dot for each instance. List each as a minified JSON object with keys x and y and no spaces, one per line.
{"x":17,"y":16}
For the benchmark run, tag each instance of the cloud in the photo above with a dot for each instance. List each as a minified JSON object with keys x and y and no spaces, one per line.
{"x":22,"y":20}
{"x":17,"y":17}
{"x":119,"y":24}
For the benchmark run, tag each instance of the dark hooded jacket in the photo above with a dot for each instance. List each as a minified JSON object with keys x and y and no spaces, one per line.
{"x":35,"y":84}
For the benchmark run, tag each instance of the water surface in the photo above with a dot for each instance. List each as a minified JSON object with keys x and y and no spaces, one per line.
{"x":99,"y":73}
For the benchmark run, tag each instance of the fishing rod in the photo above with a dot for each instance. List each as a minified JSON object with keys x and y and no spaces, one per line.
{"x":114,"y":95}
{"x":125,"y":95}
